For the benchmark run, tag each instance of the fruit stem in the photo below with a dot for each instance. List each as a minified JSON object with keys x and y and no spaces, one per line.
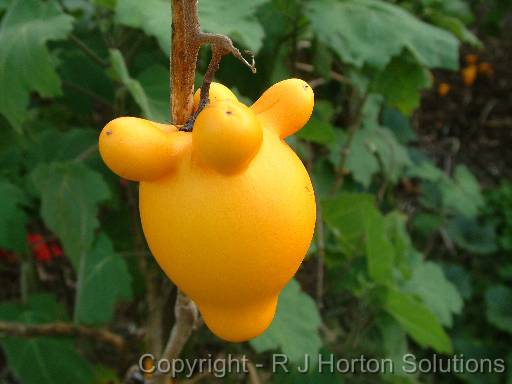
{"x":187,"y":39}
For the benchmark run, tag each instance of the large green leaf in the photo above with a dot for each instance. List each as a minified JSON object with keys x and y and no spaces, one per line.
{"x":380,"y":253}
{"x":430,"y":284}
{"x":417,"y":320}
{"x":13,"y":218}
{"x":375,"y":147}
{"x":295,"y":328}
{"x":313,"y":376}
{"x":25,"y":63}
{"x":498,"y":300}
{"x":97,"y":292}
{"x":463,"y":195}
{"x":317,"y":131}
{"x":237,"y":19}
{"x":401,"y":83}
{"x":150,"y":100}
{"x":472,"y":235}
{"x":51,"y":145}
{"x":372,"y":32}
{"x":346,"y":215}
{"x":70,"y":194}
{"x":42,"y":360}
{"x":155,"y":82}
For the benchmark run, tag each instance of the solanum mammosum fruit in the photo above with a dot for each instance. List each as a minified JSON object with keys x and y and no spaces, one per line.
{"x":228,"y":210}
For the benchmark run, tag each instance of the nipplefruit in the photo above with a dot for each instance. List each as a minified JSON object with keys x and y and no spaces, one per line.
{"x":228,"y":210}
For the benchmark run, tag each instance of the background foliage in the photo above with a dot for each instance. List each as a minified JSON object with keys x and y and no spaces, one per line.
{"x":415,"y":254}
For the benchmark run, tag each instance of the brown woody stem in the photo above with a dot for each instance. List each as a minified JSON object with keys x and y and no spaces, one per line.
{"x":187,"y":39}
{"x":61,"y":329}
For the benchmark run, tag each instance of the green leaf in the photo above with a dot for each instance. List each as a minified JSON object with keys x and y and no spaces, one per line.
{"x":417,"y":320}
{"x":235,"y":19}
{"x":152,"y":16}
{"x":463,"y":195}
{"x":461,"y":278}
{"x":394,"y":341}
{"x":86,"y":84}
{"x":380,"y":253}
{"x":155,"y":82}
{"x":70,"y":194}
{"x":471,"y":235}
{"x":429,"y":283}
{"x":372,"y":32}
{"x":375,"y":147}
{"x":401,"y":83}
{"x":396,"y":230}
{"x":97,"y":292}
{"x":312,"y":377}
{"x":13,"y":218}
{"x":151,"y":107}
{"x":25,"y":63}
{"x":455,"y":26}
{"x":361,"y":160}
{"x":51,"y":360}
{"x":295,"y":328}
{"x":51,"y":145}
{"x":499,"y":311}
{"x":346,"y":215}
{"x":317,"y":131}
{"x":110,"y":4}
{"x":399,"y":124}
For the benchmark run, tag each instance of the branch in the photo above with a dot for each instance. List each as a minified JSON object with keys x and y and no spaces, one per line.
{"x":154,"y":327}
{"x":184,"y":52}
{"x":221,"y":46}
{"x":186,"y":318}
{"x":320,"y":246}
{"x":61,"y":329}
{"x":187,"y":39}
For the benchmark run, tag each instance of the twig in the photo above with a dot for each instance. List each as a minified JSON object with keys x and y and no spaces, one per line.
{"x":88,"y":51}
{"x":334,"y":75}
{"x":221,"y":46}
{"x":187,"y":316}
{"x":154,"y":328}
{"x":254,"y":378}
{"x":61,"y":329}
{"x":187,"y":39}
{"x":320,"y":246}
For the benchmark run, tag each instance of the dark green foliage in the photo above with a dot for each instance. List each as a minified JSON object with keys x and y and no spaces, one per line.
{"x":422,"y":273}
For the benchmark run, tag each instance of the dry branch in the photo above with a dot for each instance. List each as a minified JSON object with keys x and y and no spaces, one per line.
{"x":61,"y":329}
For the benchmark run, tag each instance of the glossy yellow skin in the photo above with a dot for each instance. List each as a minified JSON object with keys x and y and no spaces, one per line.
{"x":230,"y":212}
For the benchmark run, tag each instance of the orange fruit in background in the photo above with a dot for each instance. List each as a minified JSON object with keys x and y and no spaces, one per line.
{"x":443,"y":89}
{"x":228,"y":210}
{"x":469,"y":75}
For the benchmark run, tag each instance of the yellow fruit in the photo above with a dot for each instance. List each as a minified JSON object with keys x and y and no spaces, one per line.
{"x":217,"y":92}
{"x":226,"y":136}
{"x":232,"y":219}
